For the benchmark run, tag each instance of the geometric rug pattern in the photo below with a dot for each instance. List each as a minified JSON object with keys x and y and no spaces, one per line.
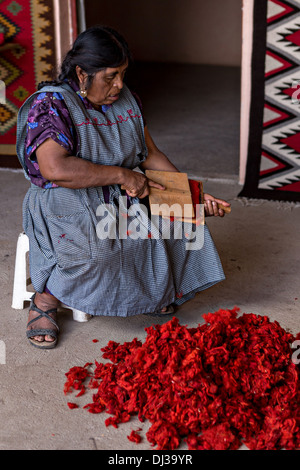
{"x":273,"y":166}
{"x":27,"y":57}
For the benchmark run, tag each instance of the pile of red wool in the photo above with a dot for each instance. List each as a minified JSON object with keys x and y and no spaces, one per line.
{"x":228,"y":382}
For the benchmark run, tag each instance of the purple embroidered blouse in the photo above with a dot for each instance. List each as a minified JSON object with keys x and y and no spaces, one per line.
{"x":49,"y":118}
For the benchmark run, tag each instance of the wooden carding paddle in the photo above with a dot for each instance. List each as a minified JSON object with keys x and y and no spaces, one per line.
{"x":177,"y":192}
{"x":175,"y":200}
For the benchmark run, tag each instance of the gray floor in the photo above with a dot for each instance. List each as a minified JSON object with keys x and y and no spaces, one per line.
{"x":259,"y":247}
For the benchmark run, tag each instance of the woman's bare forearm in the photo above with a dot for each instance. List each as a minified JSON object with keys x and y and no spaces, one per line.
{"x":77,"y":173}
{"x":156,"y":159}
{"x":69,"y":171}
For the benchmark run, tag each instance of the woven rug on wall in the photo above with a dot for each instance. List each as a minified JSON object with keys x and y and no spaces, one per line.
{"x":273,"y":162}
{"x":27,"y":57}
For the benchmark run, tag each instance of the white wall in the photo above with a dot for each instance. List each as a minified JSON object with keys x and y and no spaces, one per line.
{"x":184,"y":31}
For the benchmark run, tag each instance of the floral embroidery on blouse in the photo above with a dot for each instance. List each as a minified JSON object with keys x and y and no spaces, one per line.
{"x":48,"y":118}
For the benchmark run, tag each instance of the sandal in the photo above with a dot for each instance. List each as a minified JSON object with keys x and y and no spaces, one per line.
{"x":169,"y":310}
{"x":42,"y":331}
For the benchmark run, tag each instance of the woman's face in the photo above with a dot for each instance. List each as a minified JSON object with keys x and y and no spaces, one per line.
{"x":106,"y":85}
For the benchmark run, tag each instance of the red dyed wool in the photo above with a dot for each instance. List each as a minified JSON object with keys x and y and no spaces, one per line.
{"x":76,"y":378}
{"x":227,"y":382}
{"x":72,"y":406}
{"x":134,"y":437}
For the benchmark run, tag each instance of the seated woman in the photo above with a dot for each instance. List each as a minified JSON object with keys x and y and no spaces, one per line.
{"x":79,"y":141}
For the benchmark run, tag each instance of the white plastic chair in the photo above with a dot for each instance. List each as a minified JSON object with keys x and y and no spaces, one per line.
{"x":21,"y":281}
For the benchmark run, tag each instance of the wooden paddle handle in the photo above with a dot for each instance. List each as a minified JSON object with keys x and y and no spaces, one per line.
{"x":226,"y":209}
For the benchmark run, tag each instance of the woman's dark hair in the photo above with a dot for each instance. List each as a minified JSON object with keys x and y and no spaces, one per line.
{"x":94,"y":49}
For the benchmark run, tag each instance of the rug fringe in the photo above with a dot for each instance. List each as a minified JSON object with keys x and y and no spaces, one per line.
{"x":280,"y":205}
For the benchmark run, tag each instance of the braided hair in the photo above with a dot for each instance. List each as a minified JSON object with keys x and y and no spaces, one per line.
{"x":94,"y":49}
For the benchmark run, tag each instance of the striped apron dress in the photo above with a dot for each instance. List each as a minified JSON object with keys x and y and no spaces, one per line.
{"x":103,"y":254}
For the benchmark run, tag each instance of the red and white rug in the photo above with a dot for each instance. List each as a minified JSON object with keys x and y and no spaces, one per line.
{"x":27,"y":57}
{"x":273,"y":165}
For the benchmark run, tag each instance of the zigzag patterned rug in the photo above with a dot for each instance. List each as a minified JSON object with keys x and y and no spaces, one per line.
{"x":27,"y":56}
{"x":273,"y":165}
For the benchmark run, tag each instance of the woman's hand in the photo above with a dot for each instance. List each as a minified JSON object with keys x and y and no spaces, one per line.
{"x":137,"y":184}
{"x":211,"y":206}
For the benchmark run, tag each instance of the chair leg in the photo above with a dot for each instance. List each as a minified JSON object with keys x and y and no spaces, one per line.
{"x":20,"y":292}
{"x":80,"y":316}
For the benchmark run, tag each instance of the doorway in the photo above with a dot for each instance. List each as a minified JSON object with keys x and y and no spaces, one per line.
{"x":187,"y":72}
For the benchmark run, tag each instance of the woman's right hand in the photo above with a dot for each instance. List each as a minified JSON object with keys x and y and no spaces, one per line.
{"x":137,"y":184}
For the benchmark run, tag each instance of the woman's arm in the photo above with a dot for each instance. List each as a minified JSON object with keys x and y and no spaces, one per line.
{"x":68,"y":171}
{"x":156,"y":160}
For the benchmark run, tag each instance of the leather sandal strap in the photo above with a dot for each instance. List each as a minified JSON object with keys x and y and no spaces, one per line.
{"x":34,"y":307}
{"x":41,"y":332}
{"x":42,"y":314}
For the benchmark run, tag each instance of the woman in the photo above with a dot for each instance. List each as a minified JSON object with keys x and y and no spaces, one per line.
{"x":79,"y":140}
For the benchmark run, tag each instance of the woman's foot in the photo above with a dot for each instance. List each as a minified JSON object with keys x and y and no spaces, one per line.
{"x":164,"y":311}
{"x":167,"y":310}
{"x":42,"y":328}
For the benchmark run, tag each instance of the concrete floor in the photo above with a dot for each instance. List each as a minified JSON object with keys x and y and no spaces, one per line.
{"x":193,"y":112}
{"x":259,"y":247}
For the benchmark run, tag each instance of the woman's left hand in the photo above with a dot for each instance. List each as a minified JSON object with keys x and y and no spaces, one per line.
{"x":211,"y":206}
